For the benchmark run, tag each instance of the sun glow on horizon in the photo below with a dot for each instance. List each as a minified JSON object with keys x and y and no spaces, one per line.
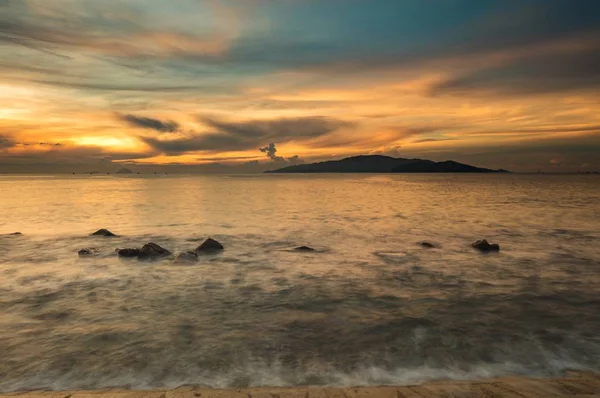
{"x":121,"y":143}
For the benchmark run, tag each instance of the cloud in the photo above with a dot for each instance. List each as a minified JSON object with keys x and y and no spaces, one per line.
{"x":559,"y":72}
{"x":6,"y":142}
{"x":431,"y":140}
{"x":393,"y":151}
{"x":69,"y":154}
{"x":284,"y":129}
{"x":542,"y":131}
{"x":539,"y":47}
{"x":295,"y":159}
{"x":247,"y":135}
{"x":227,"y":158}
{"x":26,"y":144}
{"x":179,"y":146}
{"x":64,"y":158}
{"x":116,"y":31}
{"x":168,"y":126}
{"x":271,"y":151}
{"x":126,"y":86}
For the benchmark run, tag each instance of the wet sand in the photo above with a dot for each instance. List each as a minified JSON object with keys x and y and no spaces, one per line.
{"x":574,"y":384}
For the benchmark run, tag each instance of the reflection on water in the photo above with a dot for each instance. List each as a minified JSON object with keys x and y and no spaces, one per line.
{"x":371,"y":307}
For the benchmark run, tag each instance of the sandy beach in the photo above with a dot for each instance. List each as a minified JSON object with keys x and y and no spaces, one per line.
{"x":574,"y":384}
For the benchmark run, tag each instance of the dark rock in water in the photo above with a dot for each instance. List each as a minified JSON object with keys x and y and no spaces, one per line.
{"x":88,"y":251}
{"x":209,"y":246}
{"x":16,"y":234}
{"x":128,"y":252}
{"x":104,"y":232}
{"x":428,"y":245}
{"x":305,"y":249}
{"x":484,"y":246}
{"x":186,"y":257}
{"x":152,"y":250}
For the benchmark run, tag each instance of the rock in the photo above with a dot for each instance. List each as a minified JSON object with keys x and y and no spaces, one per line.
{"x":484,"y":246}
{"x":186,"y":257}
{"x":209,"y":246}
{"x":104,"y":232}
{"x":88,"y":251}
{"x":152,"y":250}
{"x":304,"y":249}
{"x":16,"y":233}
{"x":128,"y":252}
{"x":428,"y":245}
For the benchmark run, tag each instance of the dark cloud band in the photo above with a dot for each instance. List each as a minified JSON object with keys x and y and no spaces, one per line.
{"x":167,"y":126}
{"x":248,"y":135}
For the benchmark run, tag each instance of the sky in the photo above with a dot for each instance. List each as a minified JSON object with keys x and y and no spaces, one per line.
{"x":251,"y":85}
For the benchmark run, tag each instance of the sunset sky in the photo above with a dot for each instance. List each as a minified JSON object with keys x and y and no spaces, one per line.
{"x":249,"y":85}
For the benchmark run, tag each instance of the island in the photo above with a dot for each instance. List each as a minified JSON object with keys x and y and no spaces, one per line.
{"x":384,"y":164}
{"x":124,"y":171}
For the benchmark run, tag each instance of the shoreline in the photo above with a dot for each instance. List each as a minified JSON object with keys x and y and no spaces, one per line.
{"x":573,"y":384}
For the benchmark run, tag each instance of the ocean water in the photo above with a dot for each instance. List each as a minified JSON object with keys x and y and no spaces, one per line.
{"x":370,"y":307}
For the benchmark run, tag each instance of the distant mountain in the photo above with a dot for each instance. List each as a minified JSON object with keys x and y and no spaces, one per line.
{"x":384,"y":164}
{"x":124,"y":171}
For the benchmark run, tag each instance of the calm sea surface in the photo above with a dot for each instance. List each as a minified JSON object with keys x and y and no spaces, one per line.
{"x":371,"y":307}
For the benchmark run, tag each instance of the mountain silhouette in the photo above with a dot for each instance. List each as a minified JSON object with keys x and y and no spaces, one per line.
{"x":384,"y":164}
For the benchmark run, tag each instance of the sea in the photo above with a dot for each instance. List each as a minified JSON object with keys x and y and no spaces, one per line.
{"x":370,"y":306}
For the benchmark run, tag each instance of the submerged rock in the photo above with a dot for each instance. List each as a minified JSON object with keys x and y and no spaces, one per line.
{"x":186,"y":257}
{"x":428,"y":245}
{"x":88,"y":251}
{"x":104,"y":232}
{"x":484,"y":246}
{"x":209,"y":246}
{"x":304,"y":249}
{"x":128,"y":252}
{"x":152,"y":250}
